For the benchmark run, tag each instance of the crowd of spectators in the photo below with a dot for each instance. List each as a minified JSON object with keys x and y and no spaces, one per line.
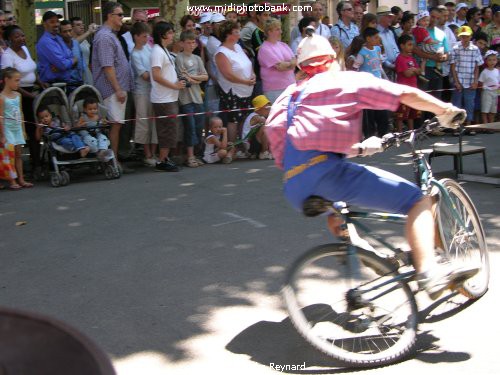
{"x":144,"y":70}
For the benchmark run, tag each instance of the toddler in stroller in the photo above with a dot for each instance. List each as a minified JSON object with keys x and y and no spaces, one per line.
{"x":60,"y":160}
{"x":92,"y":135}
{"x":59,"y":133}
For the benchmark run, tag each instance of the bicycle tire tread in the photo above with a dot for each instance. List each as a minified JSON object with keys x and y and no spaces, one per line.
{"x":360,"y":363}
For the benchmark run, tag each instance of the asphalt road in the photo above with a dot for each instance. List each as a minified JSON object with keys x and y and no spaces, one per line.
{"x":181,"y":273}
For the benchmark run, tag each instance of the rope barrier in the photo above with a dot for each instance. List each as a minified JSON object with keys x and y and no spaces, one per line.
{"x":195,"y":113}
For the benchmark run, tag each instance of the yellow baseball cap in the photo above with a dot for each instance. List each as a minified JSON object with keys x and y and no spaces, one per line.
{"x":260,"y":101}
{"x":464,"y":30}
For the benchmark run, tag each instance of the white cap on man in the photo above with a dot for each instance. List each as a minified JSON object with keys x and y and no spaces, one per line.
{"x":314,"y":46}
{"x":205,"y":17}
{"x":217,"y":17}
{"x":461,"y":6}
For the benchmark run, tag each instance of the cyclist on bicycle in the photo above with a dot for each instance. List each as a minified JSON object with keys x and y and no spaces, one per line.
{"x":315,"y":125}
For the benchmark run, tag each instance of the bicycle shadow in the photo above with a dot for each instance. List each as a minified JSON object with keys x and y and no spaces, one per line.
{"x":445,"y":307}
{"x":278,"y":343}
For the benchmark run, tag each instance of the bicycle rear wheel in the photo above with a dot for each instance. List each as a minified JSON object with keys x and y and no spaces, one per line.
{"x":340,"y":304}
{"x":466,"y":245}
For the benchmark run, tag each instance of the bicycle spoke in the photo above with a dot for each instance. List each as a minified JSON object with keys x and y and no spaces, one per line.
{"x":463,"y":237}
{"x":362,"y":318}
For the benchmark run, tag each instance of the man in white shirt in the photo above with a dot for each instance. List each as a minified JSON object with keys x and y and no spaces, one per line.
{"x":461,"y":11}
{"x":206,"y":27}
{"x":139,"y":15}
{"x":450,"y":6}
{"x":450,"y":42}
{"x":306,"y":12}
{"x":345,"y":29}
{"x":318,"y":12}
{"x":384,"y":20}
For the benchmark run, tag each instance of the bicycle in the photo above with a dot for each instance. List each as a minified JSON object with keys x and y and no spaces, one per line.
{"x":357,"y":304}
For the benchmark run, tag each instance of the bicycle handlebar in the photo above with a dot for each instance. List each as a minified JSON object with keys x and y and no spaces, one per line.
{"x":394,"y":139}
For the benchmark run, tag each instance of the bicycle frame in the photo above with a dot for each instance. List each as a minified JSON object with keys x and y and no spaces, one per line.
{"x":423,"y":178}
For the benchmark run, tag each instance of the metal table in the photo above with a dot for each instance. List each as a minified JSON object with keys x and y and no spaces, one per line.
{"x":494,"y":127}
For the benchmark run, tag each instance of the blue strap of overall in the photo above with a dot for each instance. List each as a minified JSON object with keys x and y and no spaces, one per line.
{"x":294,"y":102}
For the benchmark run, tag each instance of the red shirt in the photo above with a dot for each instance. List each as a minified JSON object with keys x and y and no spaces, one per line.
{"x":404,"y":63}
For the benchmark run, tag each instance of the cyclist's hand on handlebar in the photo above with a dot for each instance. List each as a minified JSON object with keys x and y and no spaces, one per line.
{"x":368,"y":147}
{"x":452,"y":117}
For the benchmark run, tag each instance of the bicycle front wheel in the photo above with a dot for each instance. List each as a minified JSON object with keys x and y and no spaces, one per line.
{"x":463,"y":243}
{"x":354,"y":308}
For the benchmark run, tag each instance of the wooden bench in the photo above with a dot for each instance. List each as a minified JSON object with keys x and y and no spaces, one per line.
{"x":454,"y":150}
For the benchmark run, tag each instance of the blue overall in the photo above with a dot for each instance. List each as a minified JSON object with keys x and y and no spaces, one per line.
{"x":329,"y":175}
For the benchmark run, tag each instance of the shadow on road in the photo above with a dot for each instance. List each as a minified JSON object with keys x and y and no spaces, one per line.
{"x":268,"y":343}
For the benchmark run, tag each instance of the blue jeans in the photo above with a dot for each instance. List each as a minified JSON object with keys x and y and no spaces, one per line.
{"x":465,"y":99}
{"x":71,"y":142}
{"x":435,"y":82}
{"x":193,"y":125}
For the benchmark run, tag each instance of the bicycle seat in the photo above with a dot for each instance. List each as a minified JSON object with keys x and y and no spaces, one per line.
{"x":316,"y":205}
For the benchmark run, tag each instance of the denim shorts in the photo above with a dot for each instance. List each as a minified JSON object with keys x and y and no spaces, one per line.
{"x":193,"y":125}
{"x":339,"y":180}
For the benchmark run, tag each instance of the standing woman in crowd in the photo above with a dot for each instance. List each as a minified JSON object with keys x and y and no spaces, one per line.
{"x":145,"y":131}
{"x":165,"y":87}
{"x":277,"y":62}
{"x":17,"y":56}
{"x":486,"y":16}
{"x":235,"y":76}
{"x":473,"y":17}
{"x":11,"y":127}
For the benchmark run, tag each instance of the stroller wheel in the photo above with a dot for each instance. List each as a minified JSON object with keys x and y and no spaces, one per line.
{"x":55,"y":179}
{"x":65,"y":178}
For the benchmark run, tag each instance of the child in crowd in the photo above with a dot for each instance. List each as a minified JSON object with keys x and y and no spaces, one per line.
{"x":231,"y":15}
{"x":490,"y":79}
{"x":11,"y":127}
{"x":253,"y":129}
{"x":192,"y":70}
{"x":369,"y":59}
{"x":216,"y":144}
{"x":454,"y":28}
{"x":94,"y":138}
{"x":303,"y":23}
{"x":424,"y":40}
{"x":60,"y":133}
{"x":140,"y":59}
{"x":407,"y":71}
{"x":464,"y":63}
{"x":481,"y":41}
{"x":352,"y":51}
{"x":338,"y":47}
{"x":495,"y":44}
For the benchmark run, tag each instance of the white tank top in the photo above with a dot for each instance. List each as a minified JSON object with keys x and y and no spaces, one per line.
{"x":242,"y":67}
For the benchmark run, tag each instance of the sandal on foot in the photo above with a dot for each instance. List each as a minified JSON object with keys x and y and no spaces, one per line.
{"x":15,"y":187}
{"x":26,"y":185}
{"x":191,"y":163}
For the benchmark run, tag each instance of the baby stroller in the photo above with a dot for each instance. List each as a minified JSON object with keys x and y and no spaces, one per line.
{"x":76,"y":99}
{"x":54,"y":157}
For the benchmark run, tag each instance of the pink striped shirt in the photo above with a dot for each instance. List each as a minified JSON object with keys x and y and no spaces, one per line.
{"x":330,"y":115}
